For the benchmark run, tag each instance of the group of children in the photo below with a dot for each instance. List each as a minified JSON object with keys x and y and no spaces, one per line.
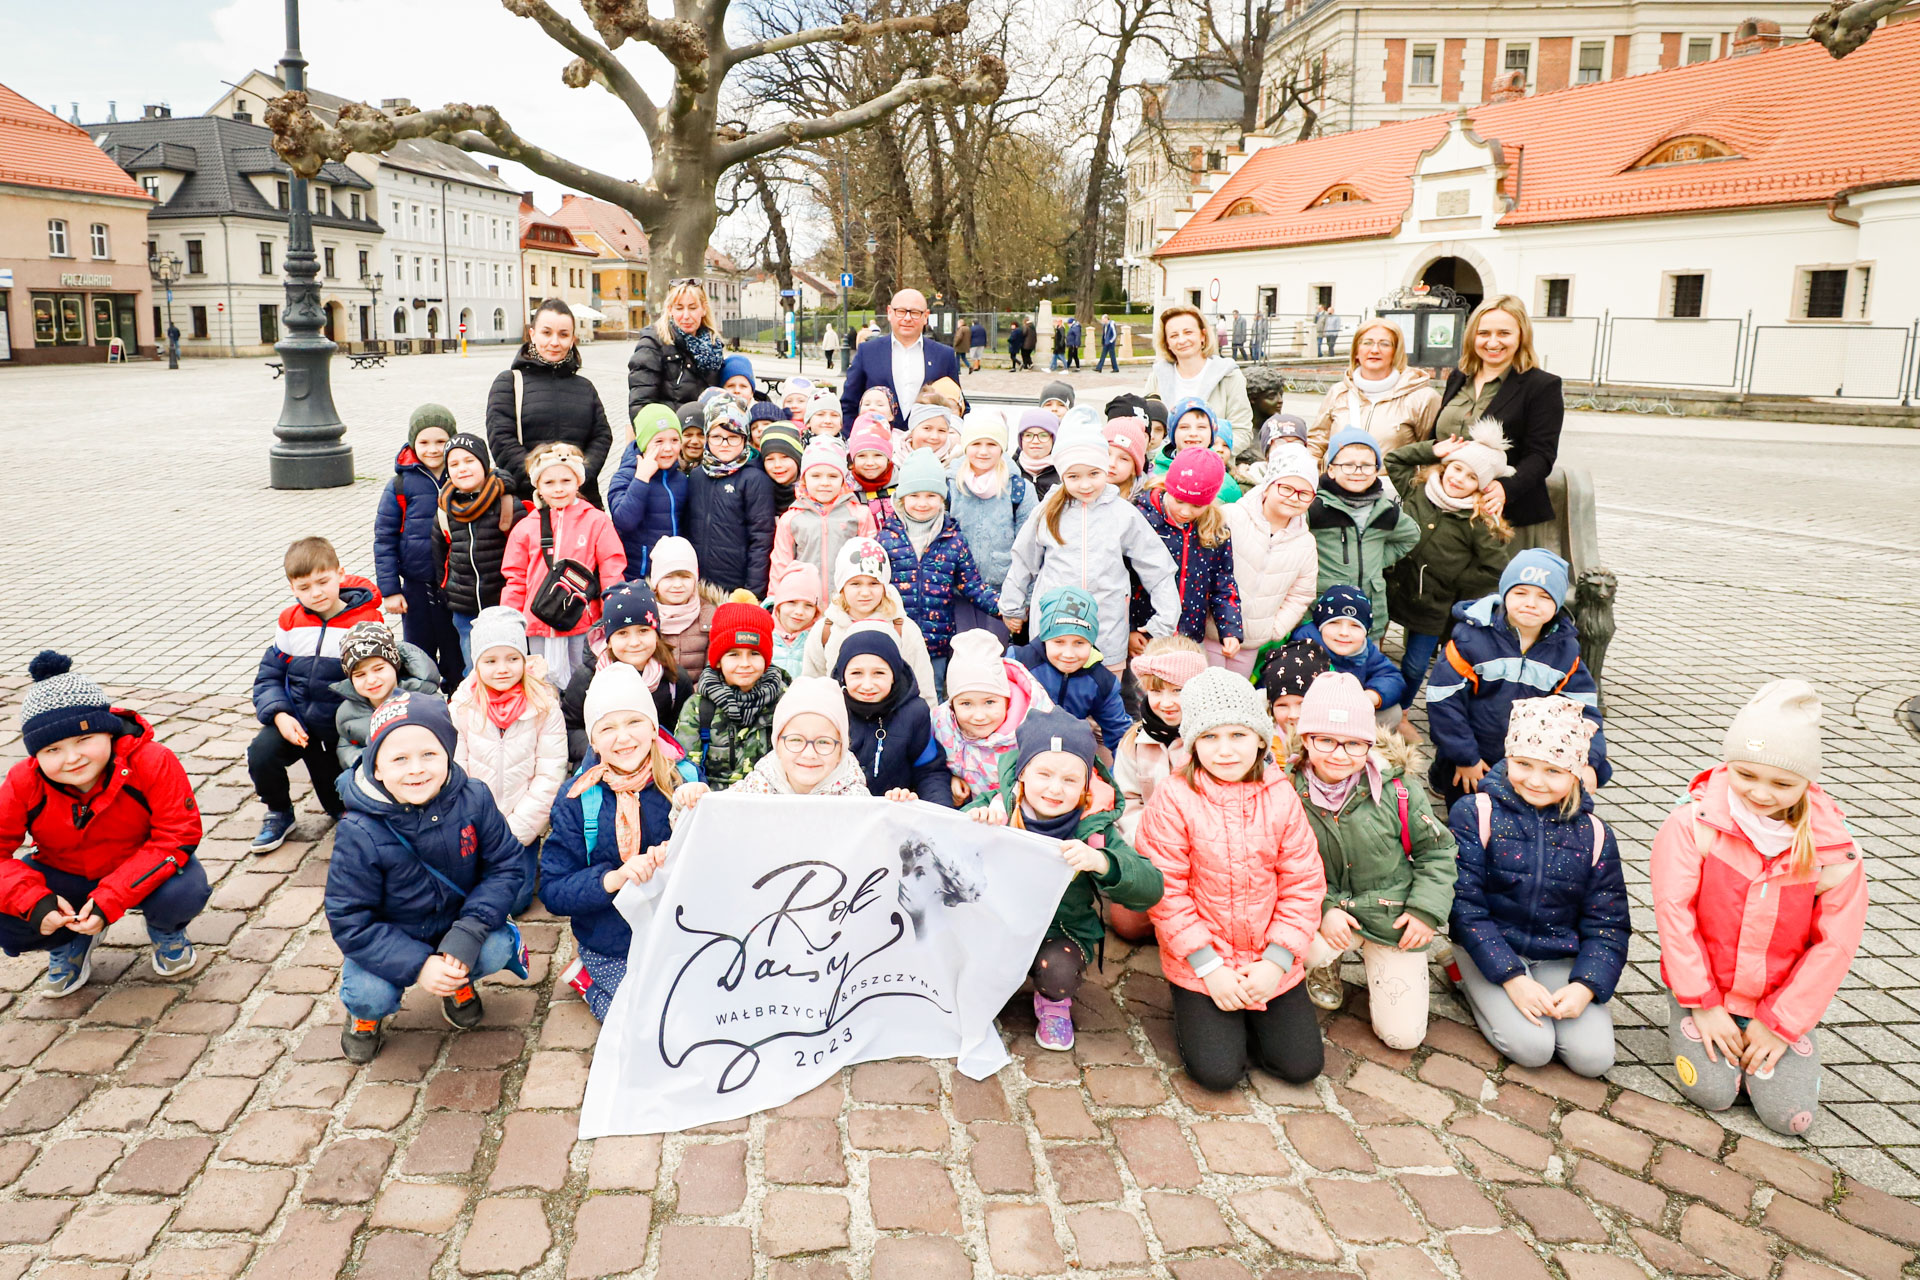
{"x":1077,"y":639}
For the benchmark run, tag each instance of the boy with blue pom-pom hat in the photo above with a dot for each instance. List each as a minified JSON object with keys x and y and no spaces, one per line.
{"x":113,"y":824}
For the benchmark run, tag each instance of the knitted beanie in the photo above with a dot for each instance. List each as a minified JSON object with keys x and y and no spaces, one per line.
{"x":1336,"y":705}
{"x":818,"y":695}
{"x":928,"y":413}
{"x":1780,"y":728}
{"x":429,"y":415}
{"x":1342,"y":601}
{"x":672,"y":554}
{"x":798,"y":581}
{"x":1484,"y":453}
{"x":1291,"y":670}
{"x":500,"y":626}
{"x":1175,"y":667}
{"x":1217,"y":696}
{"x":1553,"y":730}
{"x":739,"y":626}
{"x":366,"y":640}
{"x":1052,"y":730}
{"x":822,"y":401}
{"x":861,"y":557}
{"x":1037,"y":419}
{"x":823,"y":451}
{"x":59,"y":704}
{"x":1295,"y":463}
{"x":424,"y":709}
{"x":783,"y":438}
{"x":1061,"y":391}
{"x":869,"y":435}
{"x":693,"y":417}
{"x":618,"y":687}
{"x":985,"y":424}
{"x":1537,"y":567}
{"x":977,"y":666}
{"x":630,"y":604}
{"x":1067,"y":611}
{"x":799,"y":382}
{"x":1130,"y":434}
{"x":1078,"y":445}
{"x":921,"y":473}
{"x":1282,"y":426}
{"x":468,"y":442}
{"x":766,"y":411}
{"x":651,"y":421}
{"x":1127,"y":405}
{"x":1196,"y":476}
{"x":1350,"y":436}
{"x":556,"y":453}
{"x":736,"y":366}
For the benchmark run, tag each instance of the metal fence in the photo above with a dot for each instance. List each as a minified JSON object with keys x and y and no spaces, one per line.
{"x":1568,"y":346}
{"x":1651,"y":351}
{"x":1852,"y":363}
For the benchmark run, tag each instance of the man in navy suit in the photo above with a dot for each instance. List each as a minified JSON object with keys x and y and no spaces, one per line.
{"x":904,"y":363}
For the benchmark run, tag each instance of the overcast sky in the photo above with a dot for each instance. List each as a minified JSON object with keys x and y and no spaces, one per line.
{"x":433,"y":51}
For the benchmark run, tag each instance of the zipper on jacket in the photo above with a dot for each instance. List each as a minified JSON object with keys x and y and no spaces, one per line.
{"x":154,"y":870}
{"x":1539,"y":872}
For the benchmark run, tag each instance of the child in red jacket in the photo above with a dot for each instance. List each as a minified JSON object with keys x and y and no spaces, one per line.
{"x":1761,"y":897}
{"x":114,"y":827}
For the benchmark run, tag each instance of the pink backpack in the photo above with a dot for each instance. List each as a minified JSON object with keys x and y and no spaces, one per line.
{"x":1483,"y":804}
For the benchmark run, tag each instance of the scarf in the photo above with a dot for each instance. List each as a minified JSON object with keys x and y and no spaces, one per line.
{"x":718,"y":469}
{"x":1372,"y":388}
{"x":742,"y":706}
{"x":1060,"y":828}
{"x":505,"y":706}
{"x":626,"y":788}
{"x":1770,"y":837}
{"x":1358,"y":503}
{"x":1159,"y":730}
{"x":1034,"y":466}
{"x":1437,"y":494}
{"x":875,"y":486}
{"x":982,"y":484}
{"x":702,"y":349}
{"x":1333,"y":796}
{"x":676,"y":618}
{"x":467,"y":508}
{"x":921,"y":533}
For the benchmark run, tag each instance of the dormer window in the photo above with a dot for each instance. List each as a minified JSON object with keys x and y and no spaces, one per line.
{"x":1340,"y":193}
{"x":1242,"y":208}
{"x":1685,"y":150}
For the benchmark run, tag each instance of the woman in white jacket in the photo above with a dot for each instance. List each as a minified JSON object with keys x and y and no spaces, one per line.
{"x":513,"y":735}
{"x":1275,"y":559}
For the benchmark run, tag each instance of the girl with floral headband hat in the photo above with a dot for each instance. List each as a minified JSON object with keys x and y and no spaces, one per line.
{"x":863,"y":593}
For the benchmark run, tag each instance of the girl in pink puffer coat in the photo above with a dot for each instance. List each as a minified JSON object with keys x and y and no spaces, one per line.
{"x":1244,"y":887}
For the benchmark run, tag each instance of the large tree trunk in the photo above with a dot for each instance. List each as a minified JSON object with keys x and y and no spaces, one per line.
{"x":1083,"y":298}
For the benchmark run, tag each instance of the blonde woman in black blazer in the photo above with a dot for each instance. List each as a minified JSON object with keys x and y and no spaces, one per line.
{"x":1499,"y":377}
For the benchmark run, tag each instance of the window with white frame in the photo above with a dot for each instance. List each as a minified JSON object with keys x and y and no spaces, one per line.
{"x":414,"y":216}
{"x":1837,"y":292}
{"x":416,"y":268}
{"x":151,"y":185}
{"x":1556,"y":297}
{"x":1519,"y":57}
{"x":398,"y":221}
{"x":496,"y":275}
{"x":1699,"y":49}
{"x":433,"y":221}
{"x":466,"y":273}
{"x":466,"y":227}
{"x":1684,"y":295}
{"x":399,"y":270}
{"x":1592,"y":67}
{"x":57,"y":244}
{"x":97,"y":235}
{"x":1420,"y":69}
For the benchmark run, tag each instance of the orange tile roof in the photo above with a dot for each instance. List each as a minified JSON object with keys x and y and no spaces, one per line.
{"x":39,"y":149}
{"x":614,"y":225}
{"x":1802,"y":125}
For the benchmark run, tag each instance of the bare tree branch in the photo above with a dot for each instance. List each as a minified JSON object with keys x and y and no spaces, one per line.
{"x":1847,"y":24}
{"x":947,"y":20}
{"x":593,"y":62}
{"x":986,"y":83}
{"x":680,"y":40}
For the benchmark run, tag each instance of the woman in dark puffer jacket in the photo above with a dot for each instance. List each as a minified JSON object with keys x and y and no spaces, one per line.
{"x":678,"y":358}
{"x":555,"y":403}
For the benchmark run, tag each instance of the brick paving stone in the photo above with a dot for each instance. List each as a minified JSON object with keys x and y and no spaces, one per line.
{"x":280,"y":1136}
{"x":1222,"y":1269}
{"x":1060,"y":1113}
{"x":1280,"y":1217}
{"x":1420,"y":1101}
{"x":1556,"y":1216}
{"x":22,"y":1042}
{"x":249,"y":1057}
{"x":1556,"y":1081}
{"x":1877,"y":1211}
{"x":609,"y":1236}
{"x":186,"y":1262}
{"x":568,"y":1026}
{"x":803,"y":1222}
{"x":281,"y":1011}
{"x":312,"y":1246}
{"x":805,"y":1151}
{"x":1662,"y":1119}
{"x":822,"y":1102}
{"x":165,"y":1059}
{"x":1524,"y":1148}
{"x":160,"y":1166}
{"x":1020,"y":1241}
{"x":534,"y":1151}
{"x":897,"y":1130}
{"x":1596,"y":1266}
{"x":1796,"y":1175}
{"x":15,"y":1156}
{"x":1695,"y":1175}
{"x":1669,"y":1258}
{"x":42,"y":1103}
{"x":555,"y":1079}
{"x":900,"y":1081}
{"x":1084,"y":1173}
{"x":1449,"y":1072}
{"x":1449,"y":1201}
{"x":705,"y":1253}
{"x":396,"y":1255}
{"x":1125,"y":1087}
{"x":483,"y":1049}
{"x":1713,"y":1236}
{"x":712,"y":1178}
{"x":1278,"y":1093}
{"x":406,"y":1056}
{"x":1402,"y":1146}
{"x":1396,"y":1264}
{"x":234,"y":1200}
{"x":976,"y":1099}
{"x":446,"y":1143}
{"x":1106,"y":1238}
{"x":1239,"y":1146}
{"x":1516,"y":1102}
{"x":1501,"y":1254}
{"x":1364,"y":1212}
{"x":912,"y":1195}
{"x":132,"y":1006}
{"x":88,"y":1053}
{"x":1849,"y":1246}
{"x":381,"y":1106}
{"x":1801,"y":1269}
{"x":32,"y":1221}
{"x":209,"y":1105}
{"x":432,"y":1207}
{"x":1357,"y":1037}
{"x":462,"y":1090}
{"x":1186,"y":1221}
{"x":206,"y":1019}
{"x":1584,"y":1131}
{"x":506,"y":1235}
{"x":1323,"y":1141}
{"x":72,"y":1168}
{"x":110,"y":1232}
{"x":1631,"y":1196}
{"x":1156,"y":1151}
{"x":625,"y":1164}
{"x":1462,"y":1041}
{"x":999,"y":1158}
{"x":920,"y":1258}
{"x":1222,"y":1102}
{"x":349,"y":1171}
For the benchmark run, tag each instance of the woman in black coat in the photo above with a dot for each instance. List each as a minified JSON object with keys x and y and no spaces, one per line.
{"x":555,"y":403}
{"x":1499,"y":377}
{"x":890,"y":735}
{"x":678,"y":358}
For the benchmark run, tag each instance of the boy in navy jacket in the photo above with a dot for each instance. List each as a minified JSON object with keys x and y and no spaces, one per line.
{"x":293,"y":695}
{"x":406,"y":542}
{"x":424,"y":870}
{"x":1340,"y":622}
{"x":1062,"y":660}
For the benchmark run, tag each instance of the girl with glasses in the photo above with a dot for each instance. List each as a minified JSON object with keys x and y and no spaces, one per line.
{"x":1360,"y":528}
{"x":1275,"y":559}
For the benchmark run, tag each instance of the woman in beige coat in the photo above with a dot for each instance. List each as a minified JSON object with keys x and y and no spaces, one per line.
{"x":1379,"y":394}
{"x":1188,"y":365}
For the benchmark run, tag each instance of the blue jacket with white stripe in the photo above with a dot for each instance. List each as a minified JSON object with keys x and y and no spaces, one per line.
{"x":1467,"y":714}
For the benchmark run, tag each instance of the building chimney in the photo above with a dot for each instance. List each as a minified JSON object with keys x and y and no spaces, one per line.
{"x":75,"y":117}
{"x":1755,"y":35}
{"x":113,"y":112}
{"x":1507,"y":86}
{"x":395,"y":104}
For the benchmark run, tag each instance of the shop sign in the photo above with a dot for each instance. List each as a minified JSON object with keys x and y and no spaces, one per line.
{"x":76,"y":280}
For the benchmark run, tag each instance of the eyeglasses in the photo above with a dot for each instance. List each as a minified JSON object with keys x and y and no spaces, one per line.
{"x":799,"y":746}
{"x":1354,"y":468}
{"x":1296,"y":495}
{"x":904,"y":311}
{"x":1338,"y":746}
{"x":1377,"y":344}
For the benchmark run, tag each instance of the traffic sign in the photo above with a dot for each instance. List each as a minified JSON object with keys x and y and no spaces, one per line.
{"x":1213,"y":289}
{"x":463,"y":329}
{"x":789,"y":293}
{"x":846,"y":279}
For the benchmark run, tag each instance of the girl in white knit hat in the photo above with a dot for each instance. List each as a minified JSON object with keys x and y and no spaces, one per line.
{"x":1760,"y":892}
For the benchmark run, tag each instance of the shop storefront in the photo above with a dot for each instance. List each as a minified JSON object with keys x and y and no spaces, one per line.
{"x":53,"y":317}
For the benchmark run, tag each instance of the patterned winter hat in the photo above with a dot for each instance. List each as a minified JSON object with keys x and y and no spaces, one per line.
{"x":1553,"y":730}
{"x":1291,"y":669}
{"x":402,"y":709}
{"x":61,"y":705}
{"x":823,"y":451}
{"x":783,"y":438}
{"x":366,"y":640}
{"x":861,"y":557}
{"x":870,"y":435}
{"x":1079,"y":444}
{"x":1217,"y":696}
{"x":1343,"y":601}
{"x":1196,"y":476}
{"x":739,"y":626}
{"x":725,"y":414}
{"x":556,"y":453}
{"x":1067,"y":611}
{"x":630,"y":604}
{"x":1282,"y":426}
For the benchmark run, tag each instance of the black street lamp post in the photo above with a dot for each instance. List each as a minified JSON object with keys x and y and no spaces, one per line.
{"x":166,"y":269}
{"x":372,"y":285}
{"x":310,"y":452}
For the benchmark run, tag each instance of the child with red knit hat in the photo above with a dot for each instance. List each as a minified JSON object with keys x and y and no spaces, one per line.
{"x":728,"y":723}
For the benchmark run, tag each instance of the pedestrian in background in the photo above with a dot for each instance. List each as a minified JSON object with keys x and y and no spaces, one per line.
{"x":830,"y":344}
{"x":1028,"y":341}
{"x":1109,"y":345}
{"x":1015,"y":336}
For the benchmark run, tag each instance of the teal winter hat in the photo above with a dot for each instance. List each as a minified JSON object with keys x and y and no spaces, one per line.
{"x":921,"y":473}
{"x":1067,"y":611}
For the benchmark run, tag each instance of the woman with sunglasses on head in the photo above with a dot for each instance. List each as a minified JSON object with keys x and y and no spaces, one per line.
{"x":1499,"y":379}
{"x":680,"y":356}
{"x":1379,"y":394}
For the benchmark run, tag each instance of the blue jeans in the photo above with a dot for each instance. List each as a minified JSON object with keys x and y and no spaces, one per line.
{"x":1108,"y":353}
{"x":367,"y":995}
{"x":940,"y":676}
{"x":463,"y":627}
{"x":1414,"y":665}
{"x":531,"y":860}
{"x":177,"y":900}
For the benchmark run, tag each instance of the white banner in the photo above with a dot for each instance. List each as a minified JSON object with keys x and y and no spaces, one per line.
{"x":789,"y":936}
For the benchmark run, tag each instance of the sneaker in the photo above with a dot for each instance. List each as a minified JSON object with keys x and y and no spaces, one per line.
{"x":1056,"y":1022}
{"x":360,"y":1039}
{"x":273,"y":832}
{"x":1325,"y":988}
{"x":576,"y":976}
{"x":463,"y":1008}
{"x":68,"y":966}
{"x":172,"y":953}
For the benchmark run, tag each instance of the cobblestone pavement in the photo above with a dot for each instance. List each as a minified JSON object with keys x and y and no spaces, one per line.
{"x":206,"y":1126}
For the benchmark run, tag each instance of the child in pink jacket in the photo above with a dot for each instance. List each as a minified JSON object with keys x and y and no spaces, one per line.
{"x":1761,"y":896}
{"x":581,"y":532}
{"x":1244,"y":884}
{"x":826,"y":515}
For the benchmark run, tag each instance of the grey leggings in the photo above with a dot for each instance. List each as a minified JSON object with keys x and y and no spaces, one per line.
{"x":1785,"y":1101}
{"x":1584,"y":1043}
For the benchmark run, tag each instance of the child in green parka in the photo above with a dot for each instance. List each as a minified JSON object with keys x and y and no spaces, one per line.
{"x":1463,"y":547}
{"x":1359,"y":527}
{"x":1389,"y":861}
{"x":1051,"y":786}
